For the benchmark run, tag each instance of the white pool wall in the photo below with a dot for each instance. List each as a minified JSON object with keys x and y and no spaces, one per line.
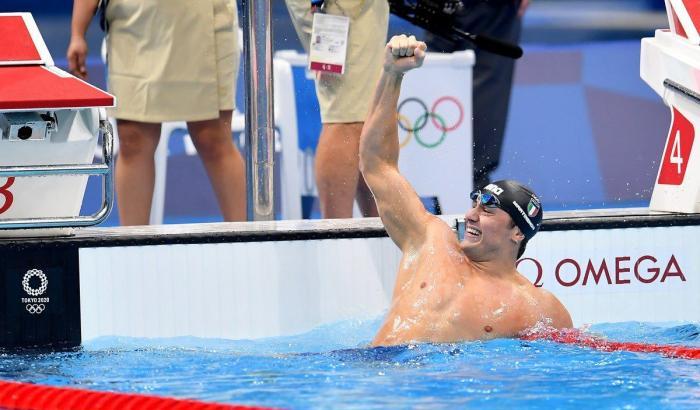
{"x":249,"y":290}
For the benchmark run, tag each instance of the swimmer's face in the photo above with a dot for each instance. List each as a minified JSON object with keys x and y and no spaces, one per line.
{"x":489,"y":232}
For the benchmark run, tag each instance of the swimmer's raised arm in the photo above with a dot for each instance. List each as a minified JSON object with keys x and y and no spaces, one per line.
{"x":402,"y":212}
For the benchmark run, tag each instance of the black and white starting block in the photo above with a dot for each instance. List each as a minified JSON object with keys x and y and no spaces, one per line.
{"x":50,"y":122}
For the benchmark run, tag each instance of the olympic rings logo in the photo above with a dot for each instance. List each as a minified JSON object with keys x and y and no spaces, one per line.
{"x":415,"y":128}
{"x":35,"y":308}
{"x":30,"y":290}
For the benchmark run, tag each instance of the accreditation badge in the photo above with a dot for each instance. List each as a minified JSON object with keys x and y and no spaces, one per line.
{"x":329,"y":43}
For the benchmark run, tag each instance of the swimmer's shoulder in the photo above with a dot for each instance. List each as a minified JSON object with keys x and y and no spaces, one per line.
{"x":555,"y":310}
{"x":439,"y":229}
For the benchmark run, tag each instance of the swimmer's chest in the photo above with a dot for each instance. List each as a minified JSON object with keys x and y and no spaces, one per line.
{"x":461,"y":305}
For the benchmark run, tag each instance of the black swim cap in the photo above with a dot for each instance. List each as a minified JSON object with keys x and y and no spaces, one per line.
{"x":520,"y":203}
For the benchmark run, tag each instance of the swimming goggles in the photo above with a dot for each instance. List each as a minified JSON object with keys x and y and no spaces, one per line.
{"x":486,"y":199}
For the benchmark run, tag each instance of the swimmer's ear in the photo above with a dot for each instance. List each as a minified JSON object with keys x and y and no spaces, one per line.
{"x":517,"y":235}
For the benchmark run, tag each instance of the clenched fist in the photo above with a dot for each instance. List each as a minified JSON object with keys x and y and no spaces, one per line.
{"x":403,"y":54}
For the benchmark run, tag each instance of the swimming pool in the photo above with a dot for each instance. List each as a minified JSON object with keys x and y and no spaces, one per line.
{"x":331,"y":367}
{"x":220,"y":284}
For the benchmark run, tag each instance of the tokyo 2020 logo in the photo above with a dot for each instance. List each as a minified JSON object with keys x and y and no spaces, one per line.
{"x":31,"y":290}
{"x":446,"y":114}
{"x":35,"y":305}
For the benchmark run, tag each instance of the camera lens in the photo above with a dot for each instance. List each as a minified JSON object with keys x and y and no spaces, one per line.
{"x":24,"y":133}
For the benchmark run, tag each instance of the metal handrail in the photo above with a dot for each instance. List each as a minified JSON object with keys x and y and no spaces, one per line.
{"x":44,"y":170}
{"x":106,"y":170}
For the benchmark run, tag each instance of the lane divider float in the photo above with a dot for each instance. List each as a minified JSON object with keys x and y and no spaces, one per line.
{"x":583,"y":339}
{"x":26,"y":396}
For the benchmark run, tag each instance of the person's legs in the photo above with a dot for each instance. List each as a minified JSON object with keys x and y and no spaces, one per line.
{"x":223,"y":162}
{"x":344,"y":101}
{"x":337,"y":168}
{"x":135,"y":170}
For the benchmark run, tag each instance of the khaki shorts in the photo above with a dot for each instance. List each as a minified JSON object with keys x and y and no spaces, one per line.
{"x":346,"y":98}
{"x":172,"y":60}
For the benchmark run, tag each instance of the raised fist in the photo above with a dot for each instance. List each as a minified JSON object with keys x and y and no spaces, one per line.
{"x":403,"y":54}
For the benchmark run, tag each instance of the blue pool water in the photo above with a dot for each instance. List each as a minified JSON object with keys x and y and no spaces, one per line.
{"x":330,"y":367}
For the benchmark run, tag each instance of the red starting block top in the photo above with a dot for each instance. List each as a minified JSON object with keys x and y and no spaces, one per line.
{"x":39,"y":87}
{"x":28,"y":79}
{"x":22,"y":43}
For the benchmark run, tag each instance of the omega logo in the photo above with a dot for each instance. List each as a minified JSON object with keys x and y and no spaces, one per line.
{"x":622,"y":270}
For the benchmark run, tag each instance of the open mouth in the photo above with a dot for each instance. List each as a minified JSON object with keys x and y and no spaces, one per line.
{"x":473,"y":231}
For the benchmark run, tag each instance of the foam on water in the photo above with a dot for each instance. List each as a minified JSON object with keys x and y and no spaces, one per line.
{"x":331,"y":367}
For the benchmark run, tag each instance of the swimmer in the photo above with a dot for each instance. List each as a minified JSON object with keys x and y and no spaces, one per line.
{"x":449,"y":290}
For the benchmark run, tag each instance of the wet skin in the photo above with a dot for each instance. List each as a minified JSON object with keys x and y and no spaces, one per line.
{"x":442,"y":295}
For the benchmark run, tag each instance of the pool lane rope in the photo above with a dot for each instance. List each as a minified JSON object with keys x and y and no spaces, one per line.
{"x":25,"y":396}
{"x":580,"y":338}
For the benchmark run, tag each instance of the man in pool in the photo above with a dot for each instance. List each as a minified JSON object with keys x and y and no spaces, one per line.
{"x":447,"y":290}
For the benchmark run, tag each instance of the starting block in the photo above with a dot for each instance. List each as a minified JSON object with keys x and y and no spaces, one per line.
{"x":670,"y":64}
{"x":50,"y":122}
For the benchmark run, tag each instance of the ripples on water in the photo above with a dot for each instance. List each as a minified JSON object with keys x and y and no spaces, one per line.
{"x":330,"y":367}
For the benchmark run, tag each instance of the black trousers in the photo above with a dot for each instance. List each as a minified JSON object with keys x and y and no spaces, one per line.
{"x":493,"y":76}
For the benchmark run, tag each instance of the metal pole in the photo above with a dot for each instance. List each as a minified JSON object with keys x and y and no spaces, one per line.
{"x":259,"y":118}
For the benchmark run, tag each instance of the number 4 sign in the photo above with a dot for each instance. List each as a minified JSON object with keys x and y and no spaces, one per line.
{"x":677,"y":152}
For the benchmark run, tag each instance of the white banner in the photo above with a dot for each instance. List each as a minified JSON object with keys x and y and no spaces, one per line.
{"x":615,"y":275}
{"x":435,"y":129}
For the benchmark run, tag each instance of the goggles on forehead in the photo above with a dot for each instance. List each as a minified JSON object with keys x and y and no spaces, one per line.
{"x":485,"y":199}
